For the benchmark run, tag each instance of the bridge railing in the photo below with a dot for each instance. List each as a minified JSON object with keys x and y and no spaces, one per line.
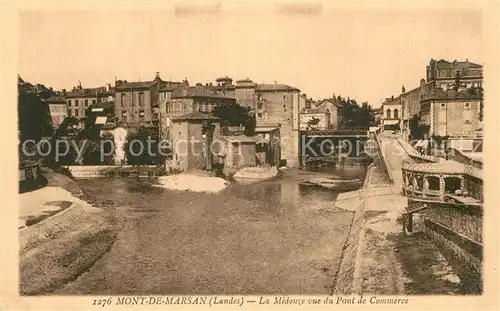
{"x":383,"y":160}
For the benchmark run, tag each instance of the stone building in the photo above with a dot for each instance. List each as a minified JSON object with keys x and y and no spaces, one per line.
{"x":192,"y":135}
{"x":391,"y":113}
{"x":177,"y":101}
{"x":58,"y":110}
{"x":138,"y":102}
{"x":306,"y":103}
{"x":443,"y":74}
{"x":447,"y":114}
{"x":333,"y":107}
{"x":79,"y":99}
{"x":320,"y":120}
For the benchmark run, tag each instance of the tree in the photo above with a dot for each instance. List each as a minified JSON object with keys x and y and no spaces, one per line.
{"x":415,"y":129}
{"x":66,"y":127}
{"x":34,"y":120}
{"x":136,"y":147}
{"x":313,"y":122}
{"x":232,"y":115}
{"x":354,"y":115}
{"x":251,"y":124}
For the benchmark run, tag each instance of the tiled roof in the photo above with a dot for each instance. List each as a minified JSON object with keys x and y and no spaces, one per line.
{"x":452,"y":94}
{"x":56,"y":99}
{"x":334,"y":101}
{"x":275,"y":88}
{"x":443,"y":64}
{"x":198,"y":91}
{"x":195,"y":116}
{"x":87,"y":92}
{"x":128,"y":85}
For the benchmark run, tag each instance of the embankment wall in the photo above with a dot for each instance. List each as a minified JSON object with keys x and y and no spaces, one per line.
{"x":457,"y":231}
{"x":344,"y":282}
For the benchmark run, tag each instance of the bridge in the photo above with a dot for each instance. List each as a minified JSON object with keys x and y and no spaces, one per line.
{"x":329,"y":147}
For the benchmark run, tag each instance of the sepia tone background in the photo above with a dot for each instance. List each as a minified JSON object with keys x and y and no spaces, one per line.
{"x":304,"y":66}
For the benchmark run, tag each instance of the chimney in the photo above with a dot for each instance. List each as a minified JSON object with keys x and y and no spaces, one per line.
{"x":392,"y":97}
{"x":275,"y":82}
{"x":422,"y":82}
{"x":467,"y":60}
{"x":157,"y":75}
{"x":108,"y":87}
{"x":305,"y":95}
{"x":64,"y":92}
{"x":455,"y":62}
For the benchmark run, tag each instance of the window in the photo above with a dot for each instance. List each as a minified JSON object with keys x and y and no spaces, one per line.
{"x":396,"y":113}
{"x":86,"y":103}
{"x":467,"y":105}
{"x":259,"y":115}
{"x":141,"y":115}
{"x":388,"y":113}
{"x":141,"y":99}
{"x":93,"y":101}
{"x":443,"y":105}
{"x":122,"y":99}
{"x":69,"y":102}
{"x":284,"y":96}
{"x":69,"y":112}
{"x":76,"y":113}
{"x":76,"y":102}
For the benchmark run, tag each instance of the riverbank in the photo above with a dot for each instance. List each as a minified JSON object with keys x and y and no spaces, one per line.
{"x":61,"y":235}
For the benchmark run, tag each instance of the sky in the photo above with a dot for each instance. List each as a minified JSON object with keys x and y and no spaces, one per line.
{"x":366,"y":54}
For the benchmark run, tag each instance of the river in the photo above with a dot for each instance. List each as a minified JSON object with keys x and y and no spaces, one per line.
{"x":272,"y":237}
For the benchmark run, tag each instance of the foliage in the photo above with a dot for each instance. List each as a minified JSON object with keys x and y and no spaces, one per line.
{"x":415,"y":129}
{"x":232,"y":115}
{"x":136,"y":147}
{"x":34,"y":121}
{"x":354,"y":115}
{"x":67,"y":127}
{"x":251,"y":124}
{"x":313,"y":122}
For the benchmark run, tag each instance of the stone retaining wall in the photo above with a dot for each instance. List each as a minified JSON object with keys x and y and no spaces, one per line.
{"x":345,"y":277}
{"x":457,"y":231}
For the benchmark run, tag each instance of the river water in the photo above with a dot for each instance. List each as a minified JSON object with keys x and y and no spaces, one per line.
{"x":273,"y":237}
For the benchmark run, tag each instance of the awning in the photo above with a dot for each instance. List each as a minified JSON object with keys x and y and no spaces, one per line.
{"x":391,"y":122}
{"x":100,"y":120}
